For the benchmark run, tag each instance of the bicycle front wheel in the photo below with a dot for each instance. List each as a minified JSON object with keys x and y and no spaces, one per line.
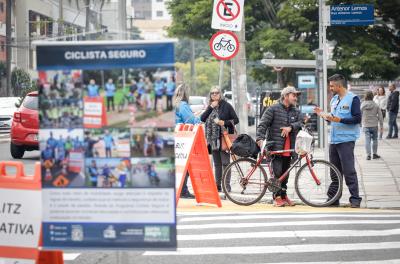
{"x":318,"y":184}
{"x":243,"y":183}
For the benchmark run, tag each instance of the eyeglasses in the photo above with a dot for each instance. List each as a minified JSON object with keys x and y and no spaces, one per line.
{"x":214,"y":93}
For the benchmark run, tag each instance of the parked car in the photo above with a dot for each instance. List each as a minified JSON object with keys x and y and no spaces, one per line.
{"x":198,"y":103}
{"x":251,"y":108}
{"x":7,"y":109}
{"x":25,"y":127}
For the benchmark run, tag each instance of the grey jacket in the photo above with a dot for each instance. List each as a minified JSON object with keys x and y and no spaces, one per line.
{"x":275,"y":117}
{"x":371,"y":114}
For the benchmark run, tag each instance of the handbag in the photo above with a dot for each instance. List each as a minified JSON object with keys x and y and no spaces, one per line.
{"x":227,"y":139}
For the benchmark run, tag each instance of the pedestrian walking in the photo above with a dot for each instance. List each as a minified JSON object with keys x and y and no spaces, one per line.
{"x":381,"y":100}
{"x":345,"y":119}
{"x":371,"y":117}
{"x":280,"y":123}
{"x":184,"y":115}
{"x":110,"y":92}
{"x":393,"y":110}
{"x":218,"y":116}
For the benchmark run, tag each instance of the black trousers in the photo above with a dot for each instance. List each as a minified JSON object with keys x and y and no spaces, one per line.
{"x":221,"y":160}
{"x":185,"y":189}
{"x":169,"y":102}
{"x":279,"y":166}
{"x":110,"y":103}
{"x":156,"y":98}
{"x":342,"y":156}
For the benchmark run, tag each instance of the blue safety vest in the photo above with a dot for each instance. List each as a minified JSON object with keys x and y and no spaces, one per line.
{"x":340,"y":132}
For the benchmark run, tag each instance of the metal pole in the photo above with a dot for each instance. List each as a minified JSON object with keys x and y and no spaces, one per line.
{"x":192,"y":67}
{"x":8,"y":47}
{"x":221,"y":73}
{"x":239,"y":83}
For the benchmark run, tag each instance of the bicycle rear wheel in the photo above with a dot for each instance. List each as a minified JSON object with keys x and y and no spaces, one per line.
{"x":240,"y":190}
{"x":327,"y":191}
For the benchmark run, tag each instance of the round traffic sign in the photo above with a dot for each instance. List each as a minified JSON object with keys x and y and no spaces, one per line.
{"x":224,"y":45}
{"x":228,"y":10}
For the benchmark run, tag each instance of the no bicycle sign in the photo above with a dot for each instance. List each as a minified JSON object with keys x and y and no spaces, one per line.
{"x":224,"y":45}
{"x":227,"y":14}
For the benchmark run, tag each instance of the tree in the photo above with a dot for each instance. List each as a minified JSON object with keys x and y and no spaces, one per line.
{"x":289,"y":30}
{"x":182,"y":52}
{"x":20,"y":81}
{"x":207,"y":74}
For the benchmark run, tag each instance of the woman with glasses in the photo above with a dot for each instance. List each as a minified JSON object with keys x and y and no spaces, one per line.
{"x":219,"y":115}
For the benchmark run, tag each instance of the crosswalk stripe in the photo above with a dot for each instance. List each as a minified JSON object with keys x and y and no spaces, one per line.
{"x":275,"y":249}
{"x":291,"y":234}
{"x":288,"y":223}
{"x":282,"y":216}
{"x":70,"y":256}
{"x":389,"y":261}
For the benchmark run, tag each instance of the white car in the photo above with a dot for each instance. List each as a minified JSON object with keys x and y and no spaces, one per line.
{"x":250,"y":106}
{"x":7,"y":109}
{"x":198,"y":103}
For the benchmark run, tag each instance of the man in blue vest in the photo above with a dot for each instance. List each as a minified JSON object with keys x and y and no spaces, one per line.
{"x":345,"y":119}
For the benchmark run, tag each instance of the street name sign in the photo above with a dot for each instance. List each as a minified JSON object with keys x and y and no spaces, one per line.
{"x":224,"y":45}
{"x":227,"y":14}
{"x":351,"y":15}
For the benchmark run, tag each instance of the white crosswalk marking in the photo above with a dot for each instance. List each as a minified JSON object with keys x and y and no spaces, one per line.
{"x":70,"y":256}
{"x":273,"y":237}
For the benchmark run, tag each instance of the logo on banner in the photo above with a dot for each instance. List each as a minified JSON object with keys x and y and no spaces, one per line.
{"x":224,"y":45}
{"x":227,"y":14}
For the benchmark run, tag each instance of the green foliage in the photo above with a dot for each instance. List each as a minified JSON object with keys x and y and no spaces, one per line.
{"x":20,"y":81}
{"x":207,"y":75}
{"x":182,"y":50}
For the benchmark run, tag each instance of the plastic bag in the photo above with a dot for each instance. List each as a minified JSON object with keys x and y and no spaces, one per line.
{"x":303,"y":143}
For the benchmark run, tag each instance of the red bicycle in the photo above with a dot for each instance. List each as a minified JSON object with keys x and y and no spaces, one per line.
{"x":318,"y":183}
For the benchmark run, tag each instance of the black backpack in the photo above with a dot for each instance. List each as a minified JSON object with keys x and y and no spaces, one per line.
{"x":245,"y":146}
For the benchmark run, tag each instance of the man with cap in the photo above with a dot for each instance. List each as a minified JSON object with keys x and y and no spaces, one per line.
{"x":280,"y":123}
{"x":345,"y":119}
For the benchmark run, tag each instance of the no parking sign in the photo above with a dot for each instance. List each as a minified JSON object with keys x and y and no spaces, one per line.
{"x":227,"y":14}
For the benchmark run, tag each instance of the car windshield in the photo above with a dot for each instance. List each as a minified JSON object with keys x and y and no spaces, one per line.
{"x":31,"y":102}
{"x":196,"y":101}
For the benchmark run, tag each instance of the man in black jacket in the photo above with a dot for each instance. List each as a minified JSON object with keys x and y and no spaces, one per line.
{"x":393,"y":109}
{"x":280,"y":123}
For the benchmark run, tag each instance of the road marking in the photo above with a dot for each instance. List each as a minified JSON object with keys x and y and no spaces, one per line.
{"x":281,"y":216}
{"x":70,"y":256}
{"x":291,"y":234}
{"x":390,"y":261}
{"x":274,"y":249}
{"x":297,"y":223}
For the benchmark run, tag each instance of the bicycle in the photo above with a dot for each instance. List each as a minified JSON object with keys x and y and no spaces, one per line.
{"x":228,"y":45}
{"x":245,"y":180}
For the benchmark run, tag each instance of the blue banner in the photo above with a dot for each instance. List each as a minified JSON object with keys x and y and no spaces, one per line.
{"x":352,"y":15}
{"x":104,"y":55}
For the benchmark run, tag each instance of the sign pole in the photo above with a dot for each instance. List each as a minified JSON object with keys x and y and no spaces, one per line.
{"x":221,"y":74}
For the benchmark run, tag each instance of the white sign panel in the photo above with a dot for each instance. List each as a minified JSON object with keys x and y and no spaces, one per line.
{"x":183,"y":145}
{"x":20,"y":218}
{"x":227,"y":15}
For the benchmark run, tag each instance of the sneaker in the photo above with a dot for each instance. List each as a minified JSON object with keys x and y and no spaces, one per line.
{"x":388,"y":137}
{"x":288,"y":201}
{"x":368,"y":157}
{"x":353,"y":205}
{"x":376,"y":156}
{"x":395,"y":136}
{"x":279,"y":202}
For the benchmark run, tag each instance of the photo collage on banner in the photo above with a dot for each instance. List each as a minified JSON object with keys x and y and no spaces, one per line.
{"x":107,"y":148}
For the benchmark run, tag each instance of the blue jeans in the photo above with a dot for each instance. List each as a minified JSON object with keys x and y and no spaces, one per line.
{"x":393,"y":125}
{"x":371,"y":135}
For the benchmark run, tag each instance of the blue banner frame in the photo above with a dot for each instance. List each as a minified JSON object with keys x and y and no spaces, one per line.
{"x":352,"y":15}
{"x":104,"y":55}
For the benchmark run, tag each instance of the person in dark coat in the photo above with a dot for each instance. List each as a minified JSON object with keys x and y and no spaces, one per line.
{"x":219,"y":115}
{"x":280,"y":123}
{"x":393,"y":109}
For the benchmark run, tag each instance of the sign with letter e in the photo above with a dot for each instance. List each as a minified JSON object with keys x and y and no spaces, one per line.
{"x":227,"y":15}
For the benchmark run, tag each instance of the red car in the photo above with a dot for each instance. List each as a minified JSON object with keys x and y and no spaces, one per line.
{"x":25,"y":127}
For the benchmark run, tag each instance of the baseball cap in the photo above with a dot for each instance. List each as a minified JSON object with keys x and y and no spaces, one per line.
{"x":289,"y":90}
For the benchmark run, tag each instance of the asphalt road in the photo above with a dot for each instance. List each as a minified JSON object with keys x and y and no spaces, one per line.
{"x":29,"y":158}
{"x":271,"y":237}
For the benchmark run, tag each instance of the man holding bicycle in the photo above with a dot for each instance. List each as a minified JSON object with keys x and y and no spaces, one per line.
{"x":280,"y":123}
{"x":345,"y":119}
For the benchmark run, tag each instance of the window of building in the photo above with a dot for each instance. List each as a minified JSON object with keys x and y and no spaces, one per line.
{"x":160,"y":13}
{"x":1,"y":7}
